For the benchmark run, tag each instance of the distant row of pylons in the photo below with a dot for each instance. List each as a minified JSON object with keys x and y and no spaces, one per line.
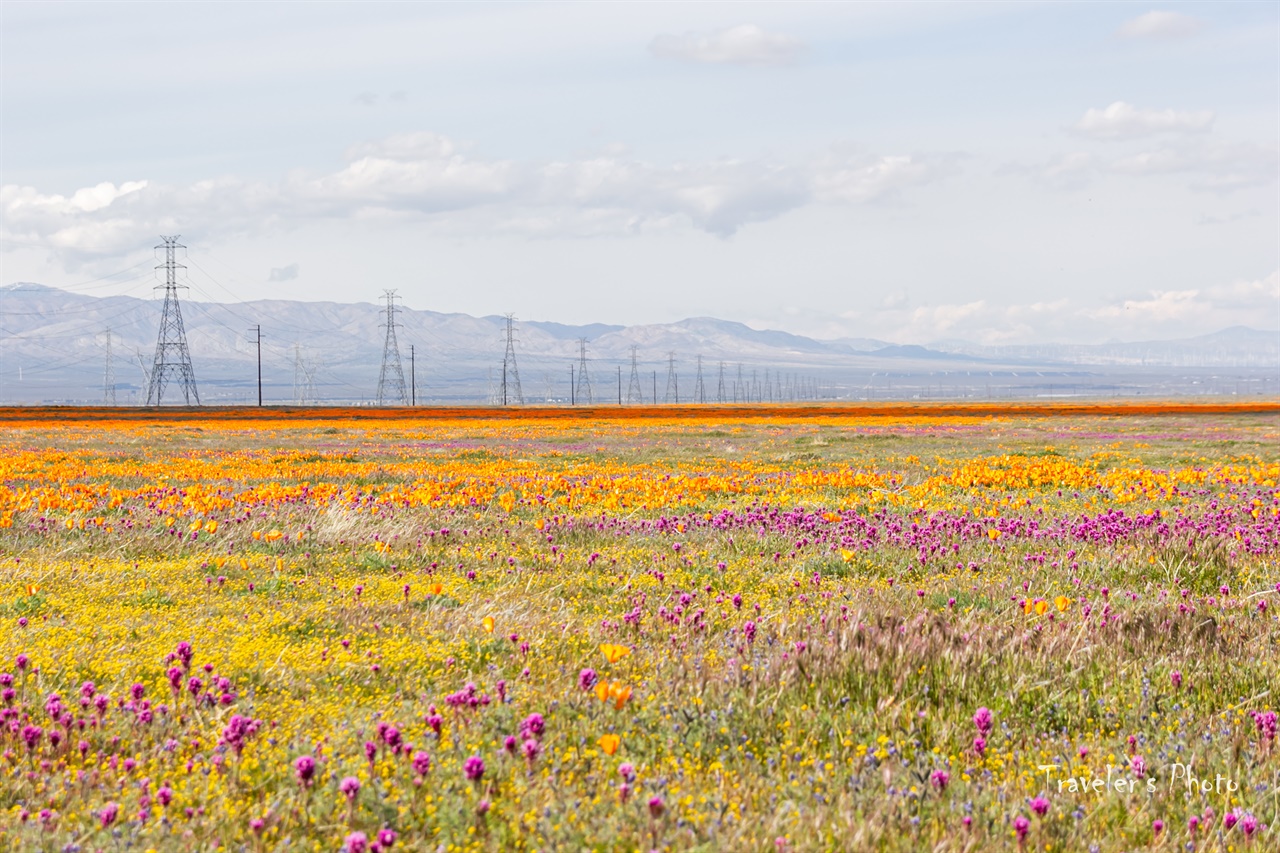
{"x":171,"y":368}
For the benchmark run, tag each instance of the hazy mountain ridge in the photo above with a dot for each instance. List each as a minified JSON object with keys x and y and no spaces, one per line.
{"x":57,"y":339}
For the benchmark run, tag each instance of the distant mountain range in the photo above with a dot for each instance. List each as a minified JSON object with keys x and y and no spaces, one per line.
{"x":54,"y":346}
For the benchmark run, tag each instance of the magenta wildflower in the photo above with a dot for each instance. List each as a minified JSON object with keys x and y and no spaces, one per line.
{"x":350,"y":787}
{"x":421,"y":763}
{"x":386,"y":837}
{"x":533,"y":725}
{"x":586,"y":679}
{"x":305,"y":770}
{"x":1157,"y":827}
{"x":473,"y":767}
{"x":939,"y":779}
{"x":531,"y":749}
{"x":1021,"y":826}
{"x":357,"y":842}
{"x":983,"y":720}
{"x":1040,"y":806}
{"x":979,"y":745}
{"x":1176,"y":678}
{"x":627,"y":771}
{"x":656,"y":807}
{"x":109,"y":814}
{"x":257,"y":825}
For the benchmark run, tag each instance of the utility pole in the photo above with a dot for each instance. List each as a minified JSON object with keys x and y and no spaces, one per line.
{"x":699,"y":392}
{"x":504,"y":382}
{"x":109,"y":376}
{"x":172,"y":359}
{"x":258,"y":340}
{"x":720,"y":385}
{"x":413,"y":379}
{"x":391,"y":377}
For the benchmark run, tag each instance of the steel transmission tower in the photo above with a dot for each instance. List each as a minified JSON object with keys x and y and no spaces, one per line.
{"x":634,"y":394}
{"x":720,"y":385}
{"x":173,"y":359}
{"x":699,"y":391}
{"x":510,"y":373}
{"x":391,"y":387}
{"x":673,"y":386}
{"x":304,"y":378}
{"x":109,"y":376}
{"x":583,"y":382}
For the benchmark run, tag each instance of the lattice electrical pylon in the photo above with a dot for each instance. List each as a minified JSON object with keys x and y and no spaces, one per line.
{"x":634,"y":392}
{"x":511,"y":374}
{"x":304,"y":378}
{"x":108,"y":376}
{"x":173,"y":359}
{"x":391,"y":388}
{"x":673,"y":385}
{"x":583,"y":381}
{"x":699,"y":390}
{"x":739,"y":389}
{"x":720,"y":385}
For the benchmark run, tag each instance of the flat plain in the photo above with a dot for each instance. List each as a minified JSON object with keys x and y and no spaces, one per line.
{"x":896,"y":628}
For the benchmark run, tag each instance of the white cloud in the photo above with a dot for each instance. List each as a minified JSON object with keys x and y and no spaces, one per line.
{"x":1159,"y":307}
{"x":864,"y":178}
{"x":745,"y":44}
{"x":1211,"y":167}
{"x":1125,"y":121}
{"x":1160,"y":25}
{"x":1156,"y":314}
{"x":423,"y":174}
{"x":1258,"y":295}
{"x":285,"y":273}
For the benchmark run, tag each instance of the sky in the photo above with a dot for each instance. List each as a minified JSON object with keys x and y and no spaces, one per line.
{"x":913,"y":172}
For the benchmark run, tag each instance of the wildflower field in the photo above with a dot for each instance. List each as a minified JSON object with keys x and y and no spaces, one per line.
{"x":704,"y":629}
